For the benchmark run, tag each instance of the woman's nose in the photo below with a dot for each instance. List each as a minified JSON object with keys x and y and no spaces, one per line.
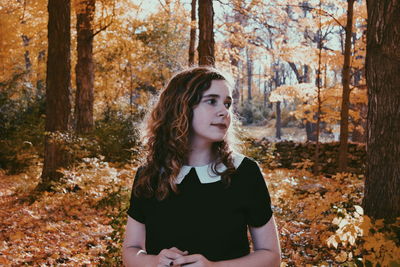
{"x":223,"y":111}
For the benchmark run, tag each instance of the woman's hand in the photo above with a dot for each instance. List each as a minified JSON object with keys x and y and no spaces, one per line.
{"x":195,"y":260}
{"x":167,"y":255}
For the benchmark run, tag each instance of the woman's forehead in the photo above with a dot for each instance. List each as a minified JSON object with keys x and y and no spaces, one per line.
{"x":219,"y":87}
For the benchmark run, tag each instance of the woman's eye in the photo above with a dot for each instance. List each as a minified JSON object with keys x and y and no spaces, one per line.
{"x":228,"y":104}
{"x":211,"y":101}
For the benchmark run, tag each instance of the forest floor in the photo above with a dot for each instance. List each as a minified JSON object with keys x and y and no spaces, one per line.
{"x":57,"y":228}
{"x":82,"y":222}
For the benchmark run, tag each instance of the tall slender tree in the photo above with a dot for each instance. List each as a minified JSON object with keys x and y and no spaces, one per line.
{"x":344,"y":112}
{"x":249,"y":64}
{"x":318,"y":83}
{"x":235,"y":48}
{"x":382,"y":184}
{"x":192,"y":41}
{"x":58,"y":102}
{"x":84,"y":67}
{"x":206,"y":33}
{"x":278,"y":80}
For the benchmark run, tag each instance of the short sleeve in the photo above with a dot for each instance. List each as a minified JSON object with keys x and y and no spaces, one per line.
{"x":136,"y":207}
{"x":258,"y":207}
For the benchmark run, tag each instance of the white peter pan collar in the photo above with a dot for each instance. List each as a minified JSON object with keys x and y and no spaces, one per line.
{"x":205,"y":173}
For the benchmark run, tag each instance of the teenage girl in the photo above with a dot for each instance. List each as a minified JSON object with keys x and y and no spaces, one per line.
{"x":193,"y":198}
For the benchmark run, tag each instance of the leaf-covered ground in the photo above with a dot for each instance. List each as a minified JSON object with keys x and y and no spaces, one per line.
{"x":319,"y":219}
{"x":68,"y":227}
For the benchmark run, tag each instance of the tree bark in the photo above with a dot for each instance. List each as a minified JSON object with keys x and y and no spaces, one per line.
{"x":25,"y":42}
{"x":278,"y":125}
{"x":382,"y":184}
{"x":192,"y":41}
{"x":39,"y":75}
{"x":318,"y":82}
{"x":278,"y":80}
{"x":58,"y":102}
{"x":265,"y":97}
{"x":344,"y":113}
{"x":206,"y":33}
{"x":249,"y":63}
{"x":235,"y":61}
{"x":359,"y":133}
{"x":236,"y":90}
{"x":84,"y":67}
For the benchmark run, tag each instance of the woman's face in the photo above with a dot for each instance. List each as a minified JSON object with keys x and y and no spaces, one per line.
{"x":212,"y":116}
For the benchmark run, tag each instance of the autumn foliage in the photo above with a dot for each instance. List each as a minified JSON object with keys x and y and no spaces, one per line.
{"x":286,"y":59}
{"x":81,"y":222}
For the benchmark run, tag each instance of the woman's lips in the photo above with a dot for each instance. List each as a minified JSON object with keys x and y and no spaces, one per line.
{"x":221,"y":126}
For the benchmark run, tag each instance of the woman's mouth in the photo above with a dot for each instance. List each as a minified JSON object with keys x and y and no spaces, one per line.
{"x":220,"y":125}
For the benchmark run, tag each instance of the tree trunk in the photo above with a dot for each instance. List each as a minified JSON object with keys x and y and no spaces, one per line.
{"x":278,"y":125}
{"x":84,"y":67}
{"x":58,"y":103}
{"x":359,"y":133}
{"x":25,"y":42}
{"x":249,"y":63}
{"x":192,"y":34}
{"x":206,"y":33}
{"x":236,"y":91}
{"x":236,"y":62}
{"x":318,"y":115}
{"x":265,"y":95}
{"x":39,"y":75}
{"x":360,"y":125}
{"x":278,"y":80}
{"x":344,"y":113}
{"x":382,"y":184}
{"x":319,"y":100}
{"x":311,"y":131}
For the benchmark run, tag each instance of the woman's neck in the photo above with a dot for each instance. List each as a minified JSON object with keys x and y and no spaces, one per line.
{"x":200,"y":155}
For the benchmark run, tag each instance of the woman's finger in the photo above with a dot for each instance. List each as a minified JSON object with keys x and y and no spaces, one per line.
{"x":186,"y":259}
{"x":164,"y":262}
{"x":172,"y":254}
{"x":177,"y":250}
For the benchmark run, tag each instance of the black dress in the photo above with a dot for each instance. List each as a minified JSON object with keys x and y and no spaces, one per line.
{"x":206,"y":218}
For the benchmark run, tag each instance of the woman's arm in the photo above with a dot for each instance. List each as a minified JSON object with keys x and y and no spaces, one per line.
{"x":134,"y":241}
{"x":135,"y":236}
{"x":267,"y":251}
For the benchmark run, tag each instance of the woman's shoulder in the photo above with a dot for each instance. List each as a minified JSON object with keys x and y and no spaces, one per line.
{"x":243,"y":162}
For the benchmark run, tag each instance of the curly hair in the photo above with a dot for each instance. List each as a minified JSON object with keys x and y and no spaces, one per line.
{"x":167,"y":134}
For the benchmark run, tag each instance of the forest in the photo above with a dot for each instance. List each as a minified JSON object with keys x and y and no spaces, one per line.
{"x":316,"y":95}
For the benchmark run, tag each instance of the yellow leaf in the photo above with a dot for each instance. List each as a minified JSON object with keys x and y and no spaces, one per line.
{"x":332,"y":241}
{"x":50,"y":228}
{"x":341,"y":257}
{"x":4,"y":260}
{"x":343,"y":223}
{"x":359,"y":210}
{"x":17,"y":236}
{"x":352,"y":240}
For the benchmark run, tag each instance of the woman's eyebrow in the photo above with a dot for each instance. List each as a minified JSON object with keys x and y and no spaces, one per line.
{"x":215,"y":96}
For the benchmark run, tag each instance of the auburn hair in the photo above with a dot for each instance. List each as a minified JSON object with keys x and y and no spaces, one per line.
{"x":166,"y":139}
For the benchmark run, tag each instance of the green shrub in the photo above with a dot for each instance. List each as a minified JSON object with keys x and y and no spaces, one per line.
{"x":21,"y":132}
{"x":117,"y":135}
{"x":253,"y":112}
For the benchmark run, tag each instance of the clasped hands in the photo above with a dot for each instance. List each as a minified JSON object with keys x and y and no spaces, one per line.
{"x":175,"y":257}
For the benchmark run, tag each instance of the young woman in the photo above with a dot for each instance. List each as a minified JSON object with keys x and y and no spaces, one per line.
{"x":193,"y":199}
